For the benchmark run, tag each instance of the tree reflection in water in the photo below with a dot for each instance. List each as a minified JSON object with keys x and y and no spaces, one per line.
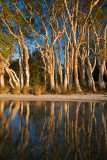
{"x":53,"y":130}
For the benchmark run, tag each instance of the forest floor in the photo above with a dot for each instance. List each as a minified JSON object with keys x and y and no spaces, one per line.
{"x":86,"y":97}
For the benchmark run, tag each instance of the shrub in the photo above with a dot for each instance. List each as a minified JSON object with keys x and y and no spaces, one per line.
{"x":25,"y":90}
{"x":43,"y":89}
{"x":16,"y":90}
{"x":37,"y":89}
{"x":4,"y":89}
{"x":64,"y":91}
{"x":58,"y":90}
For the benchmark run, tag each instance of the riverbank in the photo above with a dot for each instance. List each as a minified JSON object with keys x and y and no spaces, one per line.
{"x":54,"y":97}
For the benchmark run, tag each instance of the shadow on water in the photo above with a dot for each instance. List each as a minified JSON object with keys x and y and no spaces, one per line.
{"x":53,"y":130}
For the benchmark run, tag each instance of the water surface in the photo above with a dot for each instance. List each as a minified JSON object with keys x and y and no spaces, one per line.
{"x":53,"y":130}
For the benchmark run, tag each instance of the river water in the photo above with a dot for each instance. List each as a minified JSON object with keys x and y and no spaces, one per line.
{"x":53,"y":130}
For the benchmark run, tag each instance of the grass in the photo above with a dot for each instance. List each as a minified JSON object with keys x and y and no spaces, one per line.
{"x":40,"y":89}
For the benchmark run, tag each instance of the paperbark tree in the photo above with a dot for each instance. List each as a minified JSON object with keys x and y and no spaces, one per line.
{"x":21,"y":74}
{"x":16,"y":20}
{"x":47,"y":22}
{"x":22,"y":41}
{"x":7,"y":44}
{"x":13,"y":79}
{"x":2,"y":83}
{"x":101,"y":53}
{"x":77,"y":40}
{"x":102,"y":61}
{"x":59,"y":64}
{"x":90,"y":68}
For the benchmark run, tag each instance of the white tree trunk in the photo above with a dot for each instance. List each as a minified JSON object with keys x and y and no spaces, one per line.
{"x":21,"y":76}
{"x":102,"y":62}
{"x":67,"y":65}
{"x":2,"y":84}
{"x":52,"y":81}
{"x":21,"y":73}
{"x":76,"y":70}
{"x":71,"y":65}
{"x":59,"y":64}
{"x":101,"y":74}
{"x":12,"y":78}
{"x":24,"y":48}
{"x":56,"y":72}
{"x":45,"y":76}
{"x":61,"y":77}
{"x":27,"y":66}
{"x":91,"y":82}
{"x":65,"y":69}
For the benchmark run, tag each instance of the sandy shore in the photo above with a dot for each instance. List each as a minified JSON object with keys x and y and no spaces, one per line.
{"x":73,"y":97}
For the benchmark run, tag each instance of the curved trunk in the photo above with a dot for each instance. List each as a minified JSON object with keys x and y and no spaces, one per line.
{"x":12,"y":78}
{"x":25,"y":49}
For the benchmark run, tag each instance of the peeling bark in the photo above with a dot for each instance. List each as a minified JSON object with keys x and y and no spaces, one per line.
{"x":65,"y":69}
{"x":13,"y":79}
{"x":21,"y":76}
{"x":101,"y":73}
{"x":76,"y":70}
{"x":102,"y":62}
{"x":2,"y":83}
{"x":71,"y":65}
{"x":60,"y":65}
{"x":24,"y":48}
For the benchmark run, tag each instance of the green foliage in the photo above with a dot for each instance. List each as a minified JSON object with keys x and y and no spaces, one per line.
{"x":36,"y":68}
{"x":6,"y":44}
{"x":14,"y":64}
{"x":7,"y":13}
